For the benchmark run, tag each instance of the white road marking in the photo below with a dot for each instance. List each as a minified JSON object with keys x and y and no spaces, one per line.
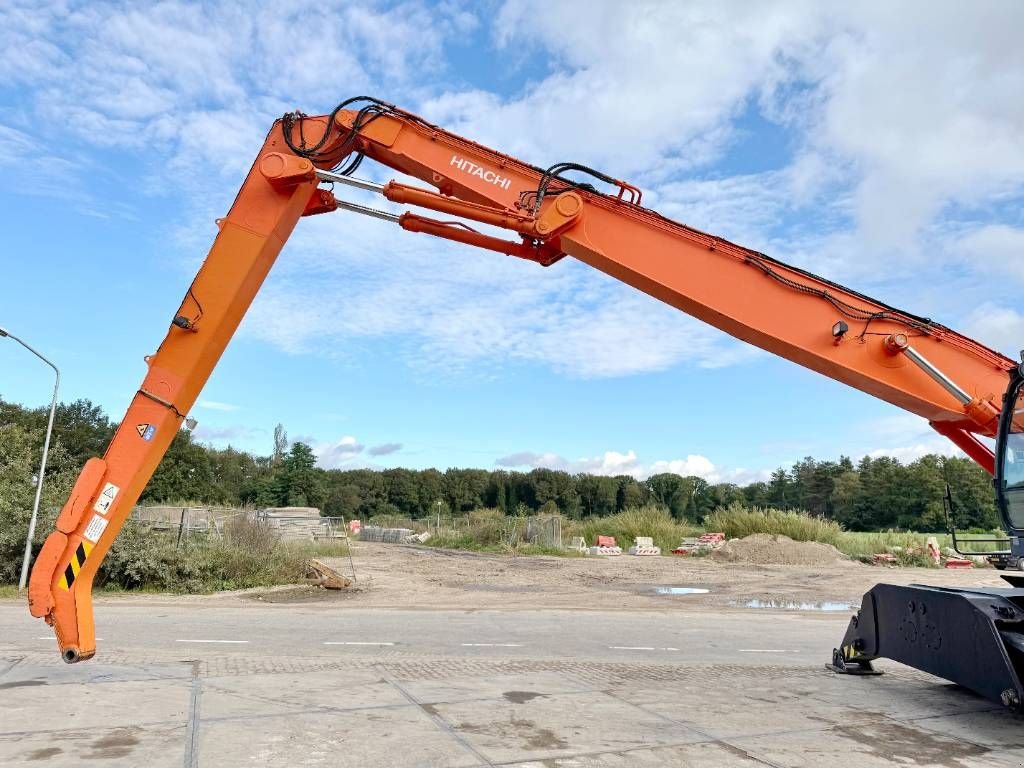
{"x":231,"y":642}
{"x":353,"y":642}
{"x":632,"y":648}
{"x":491,"y":645}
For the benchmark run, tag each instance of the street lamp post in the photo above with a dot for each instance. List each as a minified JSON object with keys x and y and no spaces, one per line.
{"x":4,"y":333}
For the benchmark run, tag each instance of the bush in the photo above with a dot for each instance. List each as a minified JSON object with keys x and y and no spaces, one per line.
{"x":249,"y":555}
{"x":737,"y":521}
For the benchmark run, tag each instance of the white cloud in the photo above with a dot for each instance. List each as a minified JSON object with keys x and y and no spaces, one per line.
{"x":225,"y":435}
{"x":995,"y":248}
{"x":384,"y":449}
{"x":146,"y":77}
{"x":910,"y":453}
{"x":339,"y":454}
{"x":216,"y":405}
{"x":892,"y":114}
{"x":453,"y":309}
{"x":917,"y":95}
{"x":633,"y":86}
{"x":1002,"y":328}
{"x":612,"y":463}
{"x":905,"y":437}
{"x":910,"y":101}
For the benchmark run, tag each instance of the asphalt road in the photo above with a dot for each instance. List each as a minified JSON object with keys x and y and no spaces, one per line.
{"x":234,"y":683}
{"x":675,"y":636}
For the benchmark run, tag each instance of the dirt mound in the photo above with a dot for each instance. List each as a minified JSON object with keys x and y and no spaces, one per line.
{"x":766,"y":549}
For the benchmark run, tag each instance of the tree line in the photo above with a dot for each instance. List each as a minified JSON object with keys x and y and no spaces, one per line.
{"x":874,"y":493}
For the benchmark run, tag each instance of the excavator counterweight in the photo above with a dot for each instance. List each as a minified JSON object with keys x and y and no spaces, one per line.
{"x":964,"y":389}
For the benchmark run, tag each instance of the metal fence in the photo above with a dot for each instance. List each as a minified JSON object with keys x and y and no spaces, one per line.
{"x":384,"y":535}
{"x":545,"y":530}
{"x":209,"y":522}
{"x":186,"y":522}
{"x":303,"y":527}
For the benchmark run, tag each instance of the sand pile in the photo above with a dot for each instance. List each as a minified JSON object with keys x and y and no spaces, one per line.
{"x":766,"y":549}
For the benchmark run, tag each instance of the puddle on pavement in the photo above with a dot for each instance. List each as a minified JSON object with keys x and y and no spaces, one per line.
{"x":794,"y":605}
{"x":680,"y":591}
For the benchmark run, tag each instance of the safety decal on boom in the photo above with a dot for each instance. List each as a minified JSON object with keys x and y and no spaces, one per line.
{"x":75,"y":566}
{"x":146,"y":431}
{"x":95,"y":528}
{"x":106,"y":498}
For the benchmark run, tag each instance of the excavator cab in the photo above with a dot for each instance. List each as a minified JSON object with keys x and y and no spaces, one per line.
{"x":1009,"y":475}
{"x":1008,"y":482}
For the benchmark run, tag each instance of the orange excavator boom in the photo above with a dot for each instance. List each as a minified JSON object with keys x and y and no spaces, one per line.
{"x":568,"y":210}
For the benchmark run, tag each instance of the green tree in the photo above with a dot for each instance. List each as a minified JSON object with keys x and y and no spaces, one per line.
{"x":20,"y":455}
{"x":185,"y":474}
{"x":431,"y":484}
{"x":598,"y":494}
{"x":300,"y":481}
{"x":845,"y":492}
{"x":671,"y":491}
{"x":780,"y":490}
{"x":402,"y":487}
{"x":971,"y":488}
{"x":280,"y":445}
{"x":464,"y":489}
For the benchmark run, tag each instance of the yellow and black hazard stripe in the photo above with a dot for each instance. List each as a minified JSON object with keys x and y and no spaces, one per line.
{"x":75,"y":566}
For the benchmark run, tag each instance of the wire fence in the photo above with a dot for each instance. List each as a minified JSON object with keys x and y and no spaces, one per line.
{"x":542,"y":530}
{"x":209,"y":522}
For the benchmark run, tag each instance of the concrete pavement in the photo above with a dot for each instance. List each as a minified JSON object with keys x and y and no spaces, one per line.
{"x":248,"y":684}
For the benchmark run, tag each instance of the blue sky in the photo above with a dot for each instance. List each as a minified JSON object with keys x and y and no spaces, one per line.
{"x":878,"y":146}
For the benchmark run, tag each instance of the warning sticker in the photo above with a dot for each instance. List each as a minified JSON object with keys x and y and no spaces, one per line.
{"x":95,"y":528}
{"x":146,"y":431}
{"x":106,"y":498}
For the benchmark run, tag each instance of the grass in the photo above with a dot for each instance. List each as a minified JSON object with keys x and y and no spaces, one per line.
{"x":738,"y":521}
{"x":251,"y":555}
{"x":488,"y":530}
{"x":456,"y":540}
{"x":324,"y":548}
{"x":649,"y":520}
{"x":909,"y":548}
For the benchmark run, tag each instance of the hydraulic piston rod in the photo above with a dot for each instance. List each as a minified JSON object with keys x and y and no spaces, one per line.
{"x":350,"y":181}
{"x":898,"y":343}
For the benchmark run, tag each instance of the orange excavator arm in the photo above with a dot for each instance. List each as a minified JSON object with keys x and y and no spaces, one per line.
{"x":566,"y":210}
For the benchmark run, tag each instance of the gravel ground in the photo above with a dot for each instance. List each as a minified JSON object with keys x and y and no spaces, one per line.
{"x":404,"y":576}
{"x":425,"y":578}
